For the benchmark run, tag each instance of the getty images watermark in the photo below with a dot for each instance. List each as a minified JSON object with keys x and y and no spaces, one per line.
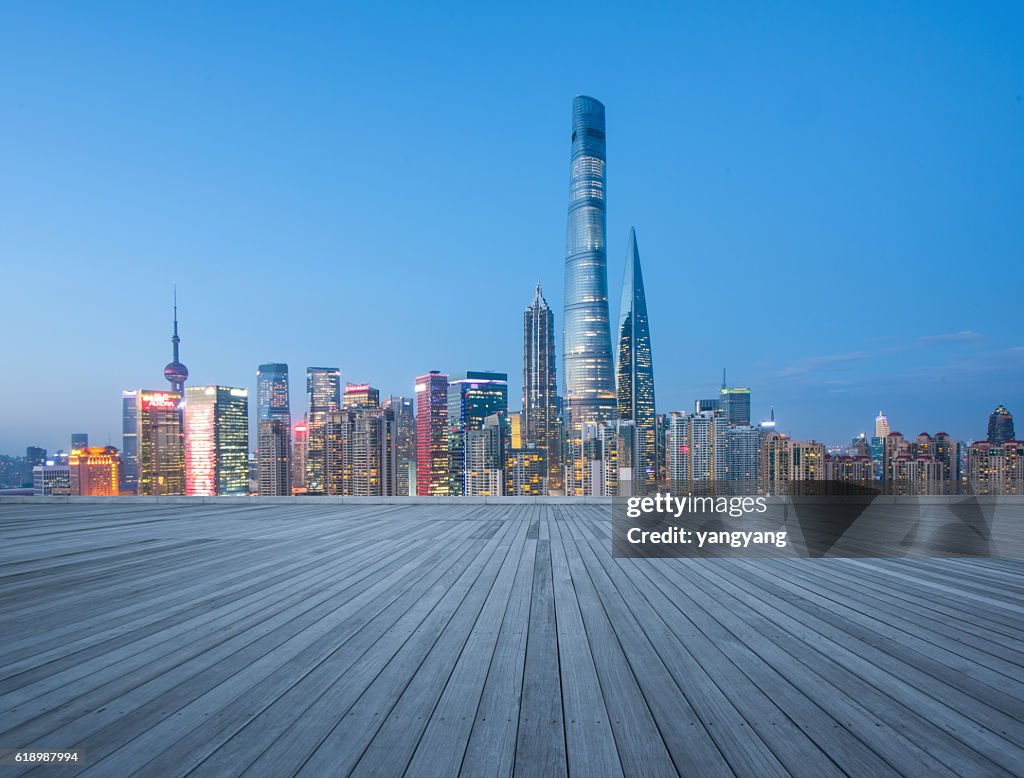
{"x":850,"y":523}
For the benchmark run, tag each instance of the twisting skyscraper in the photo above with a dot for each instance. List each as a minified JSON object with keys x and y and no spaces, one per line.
{"x":540,"y":387}
{"x":586,"y":345}
{"x":635,"y":374}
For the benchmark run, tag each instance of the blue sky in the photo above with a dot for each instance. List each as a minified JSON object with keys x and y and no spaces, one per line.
{"x":828,"y":198}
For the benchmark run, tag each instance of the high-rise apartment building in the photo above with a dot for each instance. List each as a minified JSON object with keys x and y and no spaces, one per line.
{"x":742,"y":459}
{"x":540,"y":387}
{"x":588,"y":371}
{"x":323,"y":396}
{"x":472,"y":397}
{"x":432,"y":476}
{"x":697,"y":448}
{"x":786,"y":463}
{"x":160,"y":443}
{"x":635,"y":371}
{"x":996,"y":469}
{"x":485,"y":458}
{"x":94,"y":471}
{"x":216,"y":441}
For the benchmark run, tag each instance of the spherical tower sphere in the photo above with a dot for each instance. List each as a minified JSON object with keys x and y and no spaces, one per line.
{"x":176,"y":373}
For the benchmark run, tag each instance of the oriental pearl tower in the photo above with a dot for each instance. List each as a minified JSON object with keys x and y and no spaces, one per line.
{"x":175,"y":372}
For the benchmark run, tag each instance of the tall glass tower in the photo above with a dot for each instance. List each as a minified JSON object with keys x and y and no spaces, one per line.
{"x":635,"y":374}
{"x":586,"y":344}
{"x":540,"y":386}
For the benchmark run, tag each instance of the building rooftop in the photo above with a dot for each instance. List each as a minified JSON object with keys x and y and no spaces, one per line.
{"x":442,"y":638}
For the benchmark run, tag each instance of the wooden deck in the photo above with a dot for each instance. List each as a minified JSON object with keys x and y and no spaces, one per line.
{"x":503,"y":639}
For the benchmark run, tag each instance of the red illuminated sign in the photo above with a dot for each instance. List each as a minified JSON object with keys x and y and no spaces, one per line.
{"x":159,"y":400}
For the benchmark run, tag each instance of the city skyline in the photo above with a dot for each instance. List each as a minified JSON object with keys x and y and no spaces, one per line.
{"x":807,"y":207}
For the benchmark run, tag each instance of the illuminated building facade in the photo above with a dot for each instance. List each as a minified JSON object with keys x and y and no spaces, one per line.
{"x":540,"y":388}
{"x":855,"y":468}
{"x":485,"y":458}
{"x":129,"y":440}
{"x":272,"y":400}
{"x":786,"y":462}
{"x":735,"y":404}
{"x":273,"y":430}
{"x":403,"y":411}
{"x":50,"y":480}
{"x":996,"y":469}
{"x":95,"y":471}
{"x":588,"y":373}
{"x":300,"y":442}
{"x":472,"y":397}
{"x":635,"y":371}
{"x":273,"y":469}
{"x":216,"y":441}
{"x":360,"y":396}
{"x":323,"y":396}
{"x":161,"y":444}
{"x":432,"y":434}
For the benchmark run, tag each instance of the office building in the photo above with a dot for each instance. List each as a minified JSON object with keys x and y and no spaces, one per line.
{"x":403,"y":411}
{"x":735,"y":404}
{"x":1000,"y":426}
{"x":216,"y":441}
{"x":300,"y":444}
{"x":635,"y":371}
{"x":472,"y":397}
{"x":273,"y":465}
{"x":432,"y":476}
{"x":272,"y":398}
{"x":50,"y":480}
{"x":485,"y":449}
{"x":323,"y":396}
{"x":360,"y":396}
{"x":129,"y":441}
{"x":540,"y":388}
{"x":588,"y":372}
{"x":95,"y":471}
{"x":160,"y":443}
{"x":79,"y":441}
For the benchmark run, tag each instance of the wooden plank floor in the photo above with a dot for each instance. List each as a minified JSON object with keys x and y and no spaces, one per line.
{"x":501,"y":639}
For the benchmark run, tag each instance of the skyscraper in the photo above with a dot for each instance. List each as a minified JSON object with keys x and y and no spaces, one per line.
{"x":273,"y":473}
{"x":405,"y":442}
{"x":735,"y":403}
{"x":472,"y":397}
{"x":432,"y":434}
{"x":635,"y":372}
{"x":273,"y":430}
{"x":175,"y":372}
{"x":881,"y":426}
{"x":1000,"y":426}
{"x":300,"y":443}
{"x":360,"y":396}
{"x":272,"y":399}
{"x":79,"y":441}
{"x":216,"y":441}
{"x":540,"y":387}
{"x":161,"y":446}
{"x":323,"y":396}
{"x":586,"y":346}
{"x":129,"y":440}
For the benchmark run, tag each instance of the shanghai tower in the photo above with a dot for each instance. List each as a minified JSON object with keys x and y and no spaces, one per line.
{"x":635,"y":377}
{"x":586,"y":346}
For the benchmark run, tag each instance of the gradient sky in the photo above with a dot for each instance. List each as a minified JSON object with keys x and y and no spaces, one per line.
{"x":829,"y":198}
